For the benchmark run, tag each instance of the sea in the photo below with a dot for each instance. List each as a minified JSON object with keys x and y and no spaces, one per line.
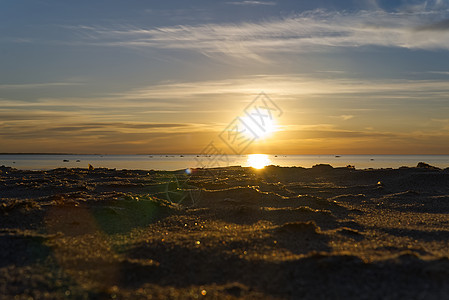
{"x":169,"y":162}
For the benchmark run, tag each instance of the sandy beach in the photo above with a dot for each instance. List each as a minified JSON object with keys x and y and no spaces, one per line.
{"x":275,"y":233}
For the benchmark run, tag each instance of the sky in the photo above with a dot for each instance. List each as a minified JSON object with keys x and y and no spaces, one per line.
{"x":144,"y":77}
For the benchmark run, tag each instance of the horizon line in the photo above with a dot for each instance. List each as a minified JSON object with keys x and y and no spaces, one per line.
{"x":151,"y":154}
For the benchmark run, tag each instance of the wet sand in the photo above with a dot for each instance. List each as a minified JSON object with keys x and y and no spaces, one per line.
{"x":276,"y":233}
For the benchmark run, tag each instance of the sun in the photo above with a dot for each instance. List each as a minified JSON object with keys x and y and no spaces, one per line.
{"x":264,"y":128}
{"x":258,"y":161}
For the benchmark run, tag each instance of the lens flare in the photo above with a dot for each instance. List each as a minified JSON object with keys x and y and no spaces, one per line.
{"x":258,"y":161}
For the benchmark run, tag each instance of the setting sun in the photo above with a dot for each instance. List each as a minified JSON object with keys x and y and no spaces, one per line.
{"x":267,"y":124}
{"x":258,"y":161}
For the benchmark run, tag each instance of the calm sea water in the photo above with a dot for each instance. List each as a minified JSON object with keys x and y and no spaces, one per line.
{"x":177,"y":162}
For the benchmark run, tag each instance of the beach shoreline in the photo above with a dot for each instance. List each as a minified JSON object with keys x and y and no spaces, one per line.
{"x":235,"y":232}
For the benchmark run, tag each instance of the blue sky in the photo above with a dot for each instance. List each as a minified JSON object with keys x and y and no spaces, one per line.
{"x":167,"y":76}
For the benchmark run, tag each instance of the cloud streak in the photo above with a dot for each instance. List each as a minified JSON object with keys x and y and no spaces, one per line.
{"x":308,"y":32}
{"x":438,"y":26}
{"x":201,"y":96}
{"x":37,"y":85}
{"x":252,"y":3}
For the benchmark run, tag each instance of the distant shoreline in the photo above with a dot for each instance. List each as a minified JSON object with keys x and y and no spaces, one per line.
{"x":47,"y":161}
{"x":316,"y":167}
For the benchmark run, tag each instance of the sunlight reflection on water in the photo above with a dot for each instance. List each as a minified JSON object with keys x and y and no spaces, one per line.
{"x":258,"y":161}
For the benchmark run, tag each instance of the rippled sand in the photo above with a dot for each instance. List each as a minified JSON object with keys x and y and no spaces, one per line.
{"x":226,"y":233}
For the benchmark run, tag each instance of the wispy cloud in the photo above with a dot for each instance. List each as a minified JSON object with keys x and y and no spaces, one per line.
{"x":344,"y":117}
{"x":311,"y":31}
{"x":202,"y":95}
{"x":252,"y":3}
{"x":288,"y":86}
{"x":438,"y":72}
{"x":37,"y":85}
{"x":438,"y":26}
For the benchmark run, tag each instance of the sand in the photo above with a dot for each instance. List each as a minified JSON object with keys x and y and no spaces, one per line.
{"x":276,"y":233}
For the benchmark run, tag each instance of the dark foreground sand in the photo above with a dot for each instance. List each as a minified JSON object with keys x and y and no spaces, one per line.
{"x":287,"y":233}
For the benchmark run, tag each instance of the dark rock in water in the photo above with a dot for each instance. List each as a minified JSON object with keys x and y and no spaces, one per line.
{"x":423,"y":165}
{"x":78,"y":160}
{"x":65,"y":160}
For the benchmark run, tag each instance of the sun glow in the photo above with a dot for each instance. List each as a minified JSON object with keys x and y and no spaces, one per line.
{"x":258,"y":161}
{"x":260,"y":126}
